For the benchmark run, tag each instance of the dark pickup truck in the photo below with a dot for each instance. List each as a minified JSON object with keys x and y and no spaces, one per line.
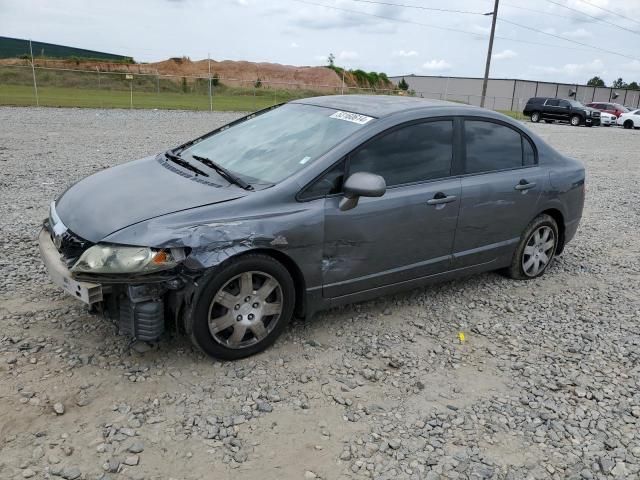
{"x":559,"y":109}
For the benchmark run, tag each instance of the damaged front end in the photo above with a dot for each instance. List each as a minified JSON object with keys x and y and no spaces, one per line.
{"x":141,"y":304}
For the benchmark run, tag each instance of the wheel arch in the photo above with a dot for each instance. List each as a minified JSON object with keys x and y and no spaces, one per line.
{"x":291,"y":266}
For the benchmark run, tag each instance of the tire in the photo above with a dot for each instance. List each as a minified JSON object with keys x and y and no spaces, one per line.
{"x":628,"y":124}
{"x":231,"y":319}
{"x":522,"y":266}
{"x":575,"y":120}
{"x":535,"y":117}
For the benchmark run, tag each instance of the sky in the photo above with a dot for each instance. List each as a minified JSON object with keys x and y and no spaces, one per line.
{"x":373,"y":36}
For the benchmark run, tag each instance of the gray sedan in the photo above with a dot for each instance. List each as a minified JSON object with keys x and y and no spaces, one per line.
{"x":305,"y":206}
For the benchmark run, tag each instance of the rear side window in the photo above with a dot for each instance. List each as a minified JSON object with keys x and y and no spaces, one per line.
{"x":413,"y":153}
{"x":492,"y":146}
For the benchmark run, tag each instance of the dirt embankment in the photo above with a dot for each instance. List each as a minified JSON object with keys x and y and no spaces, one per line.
{"x":230,"y":72}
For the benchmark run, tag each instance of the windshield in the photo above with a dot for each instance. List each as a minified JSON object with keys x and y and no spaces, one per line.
{"x":276,"y":144}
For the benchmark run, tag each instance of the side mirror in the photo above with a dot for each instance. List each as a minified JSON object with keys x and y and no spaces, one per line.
{"x":361,"y":184}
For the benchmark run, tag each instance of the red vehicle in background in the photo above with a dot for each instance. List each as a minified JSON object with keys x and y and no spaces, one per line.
{"x":612,"y":108}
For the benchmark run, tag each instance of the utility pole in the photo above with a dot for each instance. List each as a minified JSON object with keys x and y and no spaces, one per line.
{"x":488,"y":64}
{"x":210,"y":92}
{"x":33,"y":71}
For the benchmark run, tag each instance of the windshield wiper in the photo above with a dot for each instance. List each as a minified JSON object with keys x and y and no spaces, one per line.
{"x":183,"y":163}
{"x":231,"y":177}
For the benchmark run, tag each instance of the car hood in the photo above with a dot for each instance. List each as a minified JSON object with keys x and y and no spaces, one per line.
{"x":591,"y":109}
{"x":121,"y":196}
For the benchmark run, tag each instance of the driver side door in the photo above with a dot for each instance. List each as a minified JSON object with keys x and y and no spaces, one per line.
{"x":408,"y":232}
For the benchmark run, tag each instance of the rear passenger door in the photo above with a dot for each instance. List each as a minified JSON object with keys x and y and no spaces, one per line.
{"x":552,"y":109}
{"x":501,"y":186}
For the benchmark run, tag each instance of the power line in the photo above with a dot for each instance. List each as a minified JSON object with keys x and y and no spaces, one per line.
{"x":598,"y":19}
{"x":542,"y":12}
{"x":592,"y":47}
{"x":568,"y":39}
{"x":419,"y":7}
{"x":610,"y":11}
{"x":438,"y":27}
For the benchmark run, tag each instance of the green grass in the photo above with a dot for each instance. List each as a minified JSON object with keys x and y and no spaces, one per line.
{"x":512,"y":114}
{"x":231,"y":100}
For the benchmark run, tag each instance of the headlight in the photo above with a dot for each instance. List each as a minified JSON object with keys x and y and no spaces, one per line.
{"x":120,"y":259}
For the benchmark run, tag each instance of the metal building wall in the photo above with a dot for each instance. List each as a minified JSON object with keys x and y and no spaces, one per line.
{"x":511,"y":94}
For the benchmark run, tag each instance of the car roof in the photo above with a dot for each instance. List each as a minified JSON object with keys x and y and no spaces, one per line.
{"x":376,"y":105}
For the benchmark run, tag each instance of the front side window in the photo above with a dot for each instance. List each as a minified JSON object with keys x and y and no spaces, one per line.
{"x":329,"y":183}
{"x":492,"y":146}
{"x":414,"y":153}
{"x":552,"y":103}
{"x":272,"y":146}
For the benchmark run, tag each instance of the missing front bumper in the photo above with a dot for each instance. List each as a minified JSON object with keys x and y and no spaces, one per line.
{"x":138,"y":310}
{"x":89,"y":293}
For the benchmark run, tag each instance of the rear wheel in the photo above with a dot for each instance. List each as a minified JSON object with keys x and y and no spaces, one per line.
{"x":575,"y":120}
{"x":535,"y":117}
{"x":243,"y":308}
{"x":536,"y":249}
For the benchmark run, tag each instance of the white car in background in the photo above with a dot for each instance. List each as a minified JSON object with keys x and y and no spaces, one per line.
{"x":630,"y":119}
{"x":606,"y":119}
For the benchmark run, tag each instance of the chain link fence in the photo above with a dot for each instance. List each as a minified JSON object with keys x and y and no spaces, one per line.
{"x":23,"y":85}
{"x":42,"y":86}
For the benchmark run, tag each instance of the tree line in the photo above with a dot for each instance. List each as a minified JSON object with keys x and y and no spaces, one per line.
{"x":618,"y":83}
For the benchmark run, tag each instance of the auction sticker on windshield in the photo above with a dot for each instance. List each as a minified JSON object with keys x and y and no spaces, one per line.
{"x":351,"y":117}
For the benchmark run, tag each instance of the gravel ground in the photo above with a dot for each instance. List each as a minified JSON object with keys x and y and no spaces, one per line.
{"x":544,"y":386}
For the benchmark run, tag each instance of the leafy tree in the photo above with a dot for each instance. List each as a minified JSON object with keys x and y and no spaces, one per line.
{"x":331,"y":59}
{"x":258,"y":83}
{"x":619,"y":83}
{"x":633,"y":86}
{"x":596,"y":82}
{"x":403,"y":85}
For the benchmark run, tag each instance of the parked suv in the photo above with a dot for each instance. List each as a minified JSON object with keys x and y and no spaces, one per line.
{"x":552,"y":109}
{"x":612,"y":108}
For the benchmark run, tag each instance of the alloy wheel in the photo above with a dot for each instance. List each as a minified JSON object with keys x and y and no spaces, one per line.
{"x":245,"y":310}
{"x":538,"y":251}
{"x":575,"y":121}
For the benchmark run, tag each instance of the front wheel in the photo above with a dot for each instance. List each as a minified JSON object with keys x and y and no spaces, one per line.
{"x":243,"y":308}
{"x":575,"y":120}
{"x":628,"y":124}
{"x":536,"y":249}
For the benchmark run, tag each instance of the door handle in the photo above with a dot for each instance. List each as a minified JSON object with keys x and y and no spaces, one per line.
{"x":524,"y":185}
{"x":440,"y":198}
